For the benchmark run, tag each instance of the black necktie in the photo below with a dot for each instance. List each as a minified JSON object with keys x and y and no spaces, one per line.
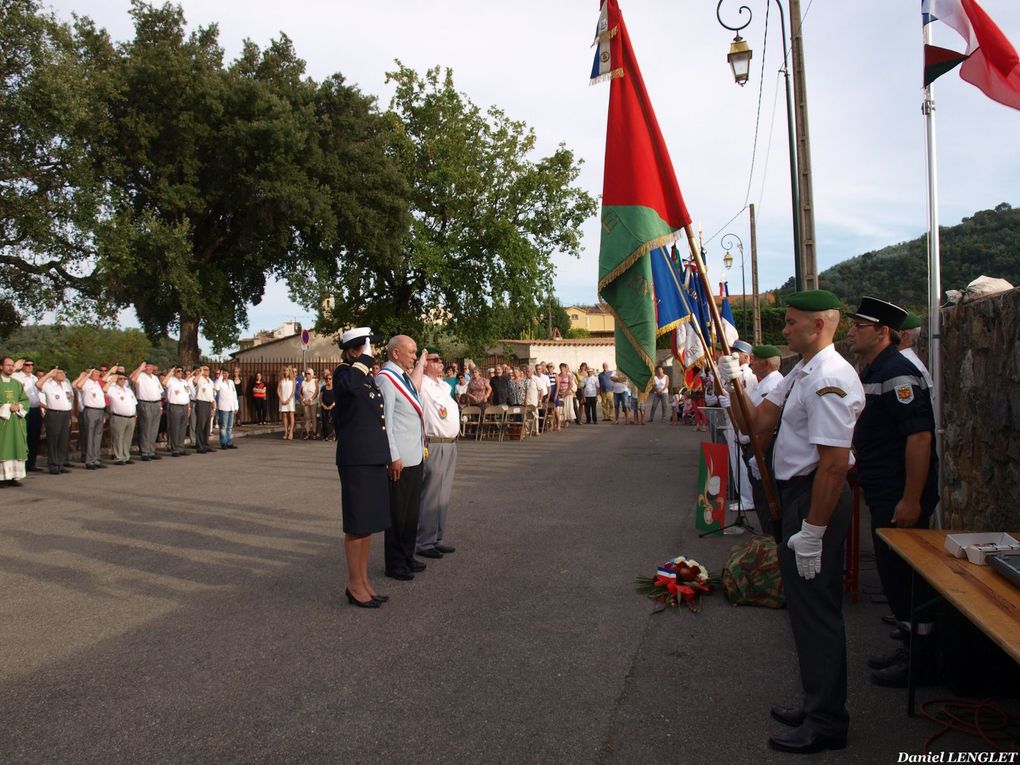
{"x":407,"y":379}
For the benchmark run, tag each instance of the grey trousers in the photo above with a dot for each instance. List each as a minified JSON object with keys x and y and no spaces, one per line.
{"x":816,"y":610}
{"x":121,"y":431}
{"x":58,"y":437}
{"x":436,"y":492}
{"x":192,"y":422}
{"x":90,"y":428}
{"x":201,"y":412}
{"x":148,"y":426}
{"x":657,"y":399}
{"x":176,"y":425}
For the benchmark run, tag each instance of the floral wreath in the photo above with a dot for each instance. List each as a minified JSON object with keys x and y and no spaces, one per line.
{"x":678,"y":580}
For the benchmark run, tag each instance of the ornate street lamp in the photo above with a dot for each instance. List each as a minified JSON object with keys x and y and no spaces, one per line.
{"x":740,"y":60}
{"x":727,"y":241}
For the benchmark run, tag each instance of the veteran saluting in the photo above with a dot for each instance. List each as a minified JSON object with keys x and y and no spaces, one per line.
{"x":362,"y":459}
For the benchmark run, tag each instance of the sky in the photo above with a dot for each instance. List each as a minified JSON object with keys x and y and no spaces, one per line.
{"x":533,"y":59}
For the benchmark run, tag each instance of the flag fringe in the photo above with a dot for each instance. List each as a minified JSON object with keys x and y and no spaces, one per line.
{"x":602,"y":37}
{"x":631,"y":259}
{"x":610,"y":75}
{"x":649,"y":362}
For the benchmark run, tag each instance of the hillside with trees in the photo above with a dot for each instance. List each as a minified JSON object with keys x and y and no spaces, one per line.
{"x":987,"y":243}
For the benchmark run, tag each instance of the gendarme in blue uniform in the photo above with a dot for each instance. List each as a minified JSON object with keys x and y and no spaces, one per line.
{"x":897,"y":404}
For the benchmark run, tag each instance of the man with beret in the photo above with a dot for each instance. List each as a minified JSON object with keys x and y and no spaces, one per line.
{"x":908,"y":339}
{"x":897,"y":469}
{"x":149,"y":392}
{"x":442,"y":426}
{"x":400,"y":381}
{"x":362,"y":456}
{"x":57,"y":398}
{"x":813,"y":411}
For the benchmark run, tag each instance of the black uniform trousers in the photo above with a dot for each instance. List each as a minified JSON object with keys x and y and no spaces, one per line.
{"x":203,"y":416}
{"x":405,"y":500}
{"x":34,"y":423}
{"x":816,"y":608}
{"x":58,"y":438}
{"x":893,"y":571}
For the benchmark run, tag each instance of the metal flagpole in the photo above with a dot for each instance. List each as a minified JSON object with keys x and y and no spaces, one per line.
{"x":934,"y":277}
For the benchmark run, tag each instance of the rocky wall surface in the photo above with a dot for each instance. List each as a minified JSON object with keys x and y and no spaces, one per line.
{"x":981,"y":412}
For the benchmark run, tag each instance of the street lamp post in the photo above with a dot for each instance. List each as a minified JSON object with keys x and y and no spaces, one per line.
{"x":740,"y":62}
{"x":727,"y":241}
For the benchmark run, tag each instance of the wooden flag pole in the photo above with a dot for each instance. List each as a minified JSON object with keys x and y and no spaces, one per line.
{"x":738,"y":385}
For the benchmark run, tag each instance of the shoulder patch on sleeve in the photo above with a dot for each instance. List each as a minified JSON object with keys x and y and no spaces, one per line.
{"x":904,"y":394}
{"x":831,"y":389}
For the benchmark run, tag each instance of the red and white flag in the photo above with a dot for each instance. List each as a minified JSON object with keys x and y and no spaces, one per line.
{"x":990,"y":62}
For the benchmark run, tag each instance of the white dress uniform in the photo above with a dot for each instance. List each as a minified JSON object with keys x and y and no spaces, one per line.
{"x":123,"y":411}
{"x":820,"y":402}
{"x":90,"y":421}
{"x":149,"y":393}
{"x":738,"y":468}
{"x":442,"y":427}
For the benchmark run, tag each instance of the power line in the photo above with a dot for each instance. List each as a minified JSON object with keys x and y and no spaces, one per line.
{"x":768,"y":152}
{"x":757,"y":118}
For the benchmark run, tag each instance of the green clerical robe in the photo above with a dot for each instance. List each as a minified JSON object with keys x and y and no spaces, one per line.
{"x":13,"y":431}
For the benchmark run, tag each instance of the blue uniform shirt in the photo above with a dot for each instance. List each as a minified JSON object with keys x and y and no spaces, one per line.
{"x":897,"y":404}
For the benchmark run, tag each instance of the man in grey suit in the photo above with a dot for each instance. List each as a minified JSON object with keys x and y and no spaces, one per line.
{"x":399,"y":381}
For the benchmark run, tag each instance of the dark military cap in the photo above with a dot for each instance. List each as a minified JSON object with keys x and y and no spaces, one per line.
{"x":813,"y":300}
{"x":741,"y":346}
{"x":880,"y":312}
{"x":430,"y":349}
{"x":765,"y":351}
{"x":913,"y":321}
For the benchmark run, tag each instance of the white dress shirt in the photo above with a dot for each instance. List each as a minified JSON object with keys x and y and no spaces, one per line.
{"x":177,"y":391}
{"x":148,"y":388}
{"x":442,"y":415}
{"x":204,"y":390}
{"x":824,"y":398}
{"x":57,"y":396}
{"x":28,"y":382}
{"x":227,"y":395}
{"x":92,"y":395}
{"x":122,"y":400}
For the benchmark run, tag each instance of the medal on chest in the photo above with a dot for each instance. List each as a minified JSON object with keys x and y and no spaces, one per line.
{"x":442,"y":412}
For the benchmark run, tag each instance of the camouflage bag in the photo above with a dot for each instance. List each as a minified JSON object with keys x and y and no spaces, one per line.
{"x":751,"y":575}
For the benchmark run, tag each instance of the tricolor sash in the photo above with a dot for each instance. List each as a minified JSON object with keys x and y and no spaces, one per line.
{"x":404,"y":389}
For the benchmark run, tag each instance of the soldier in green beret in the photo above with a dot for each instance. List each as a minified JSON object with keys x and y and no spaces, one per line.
{"x":812,"y":411}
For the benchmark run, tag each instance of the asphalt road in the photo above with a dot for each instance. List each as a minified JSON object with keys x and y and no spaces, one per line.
{"x":190,"y":610}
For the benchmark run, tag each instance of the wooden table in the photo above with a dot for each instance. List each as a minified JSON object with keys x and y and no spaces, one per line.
{"x":985,"y":597}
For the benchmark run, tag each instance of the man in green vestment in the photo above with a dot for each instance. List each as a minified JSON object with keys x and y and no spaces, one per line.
{"x":13,"y":430}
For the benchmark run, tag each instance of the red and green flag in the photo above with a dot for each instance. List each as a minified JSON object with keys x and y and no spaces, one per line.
{"x":710,"y":506}
{"x":642,"y":208}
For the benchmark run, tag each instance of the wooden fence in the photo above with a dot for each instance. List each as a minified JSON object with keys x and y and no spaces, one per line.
{"x":271,"y":371}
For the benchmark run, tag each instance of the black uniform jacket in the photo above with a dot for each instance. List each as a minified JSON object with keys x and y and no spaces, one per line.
{"x":358,"y":416}
{"x":897,"y":404}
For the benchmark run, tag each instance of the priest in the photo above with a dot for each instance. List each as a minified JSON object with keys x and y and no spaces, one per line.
{"x":14,"y":405}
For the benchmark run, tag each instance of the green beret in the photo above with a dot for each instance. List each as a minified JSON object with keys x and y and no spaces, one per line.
{"x":813,"y":300}
{"x":765,"y":351}
{"x":432,"y":349}
{"x":913,"y":321}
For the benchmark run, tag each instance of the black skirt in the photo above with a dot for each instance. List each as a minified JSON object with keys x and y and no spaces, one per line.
{"x":364,"y":498}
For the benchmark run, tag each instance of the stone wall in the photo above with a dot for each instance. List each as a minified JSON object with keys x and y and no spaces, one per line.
{"x":981,"y":412}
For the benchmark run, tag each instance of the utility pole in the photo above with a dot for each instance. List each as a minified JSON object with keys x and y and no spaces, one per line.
{"x":755,"y":300}
{"x":809,"y":265}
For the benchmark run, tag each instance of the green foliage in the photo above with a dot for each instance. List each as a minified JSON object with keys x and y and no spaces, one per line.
{"x":229,"y":174}
{"x":576,"y":333}
{"x":474,"y":258}
{"x":983,"y":244}
{"x":773,"y":318}
{"x":50,"y":200}
{"x":77,"y":347}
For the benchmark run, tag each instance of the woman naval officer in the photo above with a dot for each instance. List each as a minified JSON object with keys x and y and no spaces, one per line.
{"x":362,"y":457}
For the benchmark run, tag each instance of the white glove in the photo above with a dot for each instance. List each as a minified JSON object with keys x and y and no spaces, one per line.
{"x":724,"y":401}
{"x":807,"y":546}
{"x":366,"y":349}
{"x":752,"y":465}
{"x":729,"y":368}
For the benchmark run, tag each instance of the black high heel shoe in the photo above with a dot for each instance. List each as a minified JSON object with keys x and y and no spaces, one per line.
{"x":370,"y":603}
{"x":381,"y":598}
